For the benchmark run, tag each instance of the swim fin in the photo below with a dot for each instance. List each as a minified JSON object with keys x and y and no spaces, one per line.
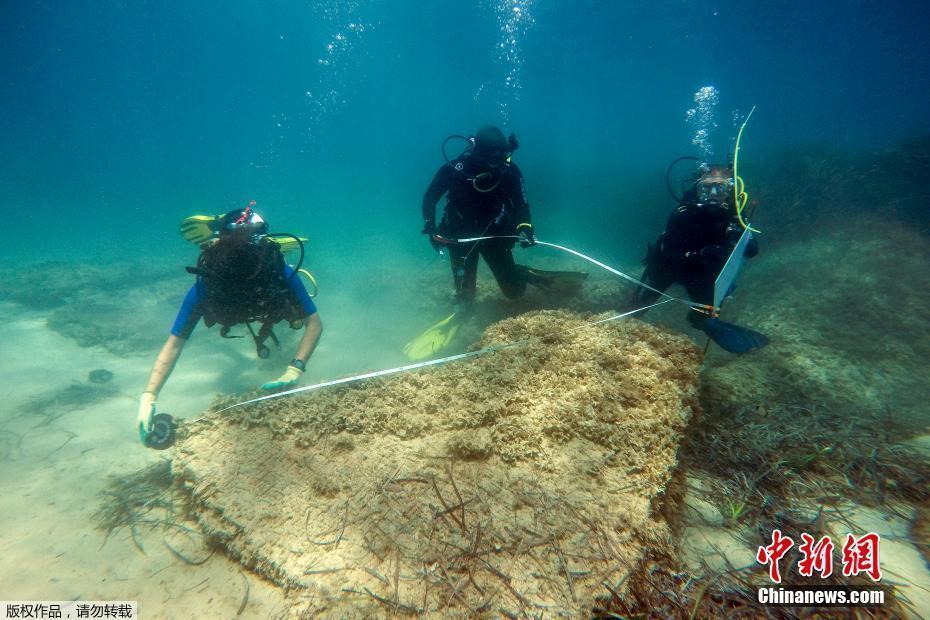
{"x":565,"y":282}
{"x":433,"y":339}
{"x":199,"y":228}
{"x":733,"y":338}
{"x":287,"y":244}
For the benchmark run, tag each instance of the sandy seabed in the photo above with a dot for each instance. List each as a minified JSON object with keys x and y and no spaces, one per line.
{"x":63,"y":436}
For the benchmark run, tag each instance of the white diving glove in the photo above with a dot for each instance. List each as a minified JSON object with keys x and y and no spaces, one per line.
{"x":146,"y":411}
{"x":289,"y":378}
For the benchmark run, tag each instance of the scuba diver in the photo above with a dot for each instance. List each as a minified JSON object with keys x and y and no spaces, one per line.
{"x":698,"y":239}
{"x":486,"y":197}
{"x":242,"y":277}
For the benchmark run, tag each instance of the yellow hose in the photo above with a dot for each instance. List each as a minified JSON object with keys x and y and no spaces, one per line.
{"x":316,"y":287}
{"x":740,"y":197}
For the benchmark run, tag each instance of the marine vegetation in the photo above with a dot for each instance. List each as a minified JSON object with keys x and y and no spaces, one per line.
{"x":145,"y":502}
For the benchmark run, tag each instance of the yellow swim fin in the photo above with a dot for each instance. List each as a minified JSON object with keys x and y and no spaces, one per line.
{"x":199,"y":228}
{"x":433,"y":339}
{"x":286,"y":244}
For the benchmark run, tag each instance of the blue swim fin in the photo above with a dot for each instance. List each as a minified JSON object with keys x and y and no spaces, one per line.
{"x":733,"y":338}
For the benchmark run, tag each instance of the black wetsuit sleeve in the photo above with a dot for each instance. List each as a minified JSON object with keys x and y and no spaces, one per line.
{"x":519,"y":205}
{"x":441,"y":183}
{"x":671,"y":241}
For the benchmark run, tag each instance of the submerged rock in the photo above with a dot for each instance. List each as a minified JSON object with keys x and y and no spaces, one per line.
{"x":517,"y":482}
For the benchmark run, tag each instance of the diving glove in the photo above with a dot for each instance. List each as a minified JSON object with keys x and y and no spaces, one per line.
{"x":289,"y":378}
{"x":734,"y":232}
{"x":527,"y":235}
{"x":144,"y":419}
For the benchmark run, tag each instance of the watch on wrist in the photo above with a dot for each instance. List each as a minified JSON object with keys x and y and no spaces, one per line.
{"x":299,"y":364}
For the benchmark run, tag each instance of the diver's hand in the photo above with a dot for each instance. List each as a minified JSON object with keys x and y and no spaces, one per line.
{"x":144,"y":419}
{"x":713,"y":254}
{"x":527,"y":235}
{"x":429,"y":229}
{"x":734,"y":232}
{"x":289,"y":378}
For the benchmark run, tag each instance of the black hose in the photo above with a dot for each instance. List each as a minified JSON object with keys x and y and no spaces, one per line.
{"x":668,"y":173}
{"x":470,"y":142}
{"x":299,"y":242}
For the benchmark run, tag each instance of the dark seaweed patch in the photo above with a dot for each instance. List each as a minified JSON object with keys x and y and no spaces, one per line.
{"x":49,"y":406}
{"x":101,"y":375}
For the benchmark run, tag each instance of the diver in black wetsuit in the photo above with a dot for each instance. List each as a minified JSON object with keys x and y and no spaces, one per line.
{"x":486,"y":197}
{"x":698,"y":239}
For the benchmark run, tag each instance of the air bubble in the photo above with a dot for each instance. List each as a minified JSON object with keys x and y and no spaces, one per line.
{"x":701,"y":118}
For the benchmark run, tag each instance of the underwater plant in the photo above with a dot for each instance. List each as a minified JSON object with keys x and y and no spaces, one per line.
{"x":144,"y":501}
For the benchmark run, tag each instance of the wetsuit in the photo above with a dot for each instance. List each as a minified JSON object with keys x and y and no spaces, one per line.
{"x":480,"y":203}
{"x":692,"y":251}
{"x":192,"y":309}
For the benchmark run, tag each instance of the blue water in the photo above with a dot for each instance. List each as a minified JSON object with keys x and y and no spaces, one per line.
{"x":119,"y":118}
{"x":128,"y":115}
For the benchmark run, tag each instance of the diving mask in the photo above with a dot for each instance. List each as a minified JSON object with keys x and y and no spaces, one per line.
{"x":244,"y":221}
{"x":714,"y":190}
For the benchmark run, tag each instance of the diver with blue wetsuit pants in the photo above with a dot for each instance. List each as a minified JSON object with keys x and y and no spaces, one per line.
{"x":698,"y":239}
{"x":242,"y":277}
